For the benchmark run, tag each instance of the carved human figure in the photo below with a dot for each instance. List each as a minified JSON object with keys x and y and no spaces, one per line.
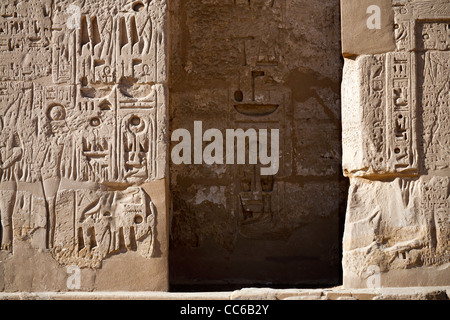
{"x":10,"y":153}
{"x":53,"y":147}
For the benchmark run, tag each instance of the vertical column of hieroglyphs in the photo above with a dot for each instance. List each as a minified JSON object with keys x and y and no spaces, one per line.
{"x":83,"y":119}
{"x":256,"y":101}
{"x":398,"y":158}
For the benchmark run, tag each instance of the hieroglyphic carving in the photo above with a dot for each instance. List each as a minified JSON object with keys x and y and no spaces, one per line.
{"x":422,"y":49}
{"x":400,"y":117}
{"x":25,"y":32}
{"x":83,"y":109}
{"x":119,"y":71}
{"x":403,"y":26}
{"x":104,"y":224}
{"x":435,"y":85}
{"x":258,"y":101}
{"x":434,"y":36}
{"x":259,"y":200}
{"x":375,"y":110}
{"x":389,"y":130}
{"x":435,"y":205}
{"x":409,"y":228}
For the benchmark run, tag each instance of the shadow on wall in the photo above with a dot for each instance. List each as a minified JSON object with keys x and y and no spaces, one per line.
{"x":272,"y":65}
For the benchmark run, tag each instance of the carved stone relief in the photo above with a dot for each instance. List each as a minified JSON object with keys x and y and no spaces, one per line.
{"x":396,"y":152}
{"x":255,"y":65}
{"x":83,"y":119}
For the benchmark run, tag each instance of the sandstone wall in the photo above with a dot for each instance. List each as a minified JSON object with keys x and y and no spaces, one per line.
{"x":396,"y":144}
{"x":86,"y":116}
{"x":230,"y":225}
{"x":83,"y":162}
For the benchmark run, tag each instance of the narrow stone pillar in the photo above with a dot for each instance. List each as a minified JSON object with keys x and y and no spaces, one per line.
{"x":83,"y":162}
{"x":396,"y":143}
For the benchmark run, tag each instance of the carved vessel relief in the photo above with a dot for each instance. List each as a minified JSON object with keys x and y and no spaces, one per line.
{"x":82,"y":117}
{"x":257,"y":100}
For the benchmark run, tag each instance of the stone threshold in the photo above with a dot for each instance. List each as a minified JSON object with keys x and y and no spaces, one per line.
{"x":338,"y":293}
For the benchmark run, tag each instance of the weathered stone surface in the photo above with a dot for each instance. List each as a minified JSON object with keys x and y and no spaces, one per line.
{"x":230,"y":224}
{"x":338,"y":293}
{"x":396,"y":143}
{"x":83,"y":119}
{"x":84,"y":166}
{"x":432,"y":295}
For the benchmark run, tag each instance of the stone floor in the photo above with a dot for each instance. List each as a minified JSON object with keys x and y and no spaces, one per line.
{"x":338,"y":293}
